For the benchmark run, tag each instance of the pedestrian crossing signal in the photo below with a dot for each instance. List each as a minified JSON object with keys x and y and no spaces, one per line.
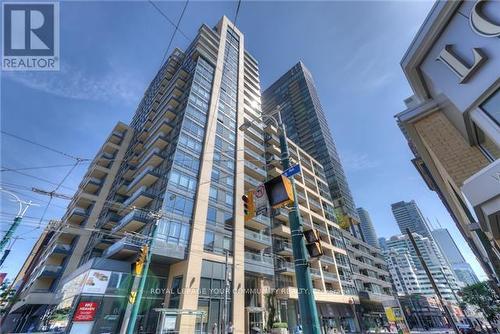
{"x":279,"y":191}
{"x":248,"y":205}
{"x":313,"y":243}
{"x":141,"y":260}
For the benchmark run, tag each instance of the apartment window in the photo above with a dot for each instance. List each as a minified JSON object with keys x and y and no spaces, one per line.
{"x":212,"y":215}
{"x":209,"y":242}
{"x":176,"y":290}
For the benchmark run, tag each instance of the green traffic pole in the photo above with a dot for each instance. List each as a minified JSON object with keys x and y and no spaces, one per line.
{"x":307,"y":305}
{"x":10,"y":232}
{"x":142,"y":283}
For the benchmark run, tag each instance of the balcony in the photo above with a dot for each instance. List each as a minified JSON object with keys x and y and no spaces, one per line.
{"x":256,"y":240}
{"x":116,"y":137}
{"x":281,"y":214}
{"x":273,"y":171}
{"x":140,"y":198}
{"x":259,"y":222}
{"x":106,"y":159}
{"x":77,"y":215}
{"x":164,"y":126}
{"x":257,"y":146}
{"x":315,"y":273}
{"x":273,"y":149}
{"x":50,"y":271}
{"x":255,"y":171}
{"x":251,"y":183}
{"x":256,"y":158}
{"x":259,"y":264}
{"x":159,"y":140}
{"x":153,"y":158}
{"x":330,"y":277}
{"x":146,"y":178}
{"x":254,"y":133}
{"x":59,"y":248}
{"x":283,"y":248}
{"x":124,"y":248}
{"x":133,"y":221}
{"x":285,"y":268}
{"x":325,"y":259}
{"x":272,"y":139}
{"x":281,"y":229}
{"x":92,"y":185}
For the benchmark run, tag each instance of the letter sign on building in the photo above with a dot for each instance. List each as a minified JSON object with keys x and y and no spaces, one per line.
{"x":481,"y":24}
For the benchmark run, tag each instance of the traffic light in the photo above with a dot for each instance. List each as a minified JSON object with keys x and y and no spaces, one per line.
{"x":279,"y":191}
{"x":141,"y":259}
{"x":248,"y":205}
{"x":313,"y":243}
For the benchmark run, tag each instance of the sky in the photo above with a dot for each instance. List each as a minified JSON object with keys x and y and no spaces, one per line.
{"x":111,"y":50}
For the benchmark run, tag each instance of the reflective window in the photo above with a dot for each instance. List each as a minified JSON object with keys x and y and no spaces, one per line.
{"x":492,"y":106}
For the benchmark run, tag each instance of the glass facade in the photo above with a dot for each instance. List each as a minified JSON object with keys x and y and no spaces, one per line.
{"x":218,"y":234}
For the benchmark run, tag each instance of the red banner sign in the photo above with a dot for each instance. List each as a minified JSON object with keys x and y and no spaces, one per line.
{"x":85,"y":311}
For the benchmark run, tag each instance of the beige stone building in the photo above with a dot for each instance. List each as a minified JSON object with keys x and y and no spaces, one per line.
{"x":452,"y":122}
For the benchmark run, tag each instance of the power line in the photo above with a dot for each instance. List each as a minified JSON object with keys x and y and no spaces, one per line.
{"x":41,"y":145}
{"x":237,"y":12}
{"x":167,"y":18}
{"x":174,"y":32}
{"x":32,"y":168}
{"x":36,"y":177}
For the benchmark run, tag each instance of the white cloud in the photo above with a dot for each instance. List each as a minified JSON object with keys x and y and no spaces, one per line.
{"x":358,"y":161}
{"x":73,"y":83}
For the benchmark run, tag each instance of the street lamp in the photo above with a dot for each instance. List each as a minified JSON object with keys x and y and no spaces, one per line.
{"x":307,"y":305}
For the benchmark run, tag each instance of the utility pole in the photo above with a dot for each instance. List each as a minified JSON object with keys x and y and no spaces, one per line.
{"x":23,"y":207}
{"x":433,"y":283}
{"x":307,"y":305}
{"x":136,"y":300}
{"x":226,"y":288}
{"x":456,"y":298}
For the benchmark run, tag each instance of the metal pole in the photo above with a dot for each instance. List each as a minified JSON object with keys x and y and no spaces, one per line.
{"x":23,"y":207}
{"x":307,"y":305}
{"x":456,"y":298}
{"x":135,"y":309}
{"x":226,"y":287}
{"x":433,"y":283}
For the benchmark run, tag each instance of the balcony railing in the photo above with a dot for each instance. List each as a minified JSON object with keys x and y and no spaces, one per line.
{"x":260,"y":237}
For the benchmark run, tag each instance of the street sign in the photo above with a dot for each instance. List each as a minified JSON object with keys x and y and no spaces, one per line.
{"x":291,"y":171}
{"x":260,"y":200}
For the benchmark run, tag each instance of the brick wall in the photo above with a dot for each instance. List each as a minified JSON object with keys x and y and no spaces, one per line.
{"x":445,"y":143}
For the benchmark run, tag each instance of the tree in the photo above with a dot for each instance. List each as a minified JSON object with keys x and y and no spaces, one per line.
{"x":485,"y":298}
{"x":6,"y":296}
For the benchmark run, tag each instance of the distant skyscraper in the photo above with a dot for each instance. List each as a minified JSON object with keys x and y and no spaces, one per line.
{"x":306,"y":125}
{"x":450,"y":250}
{"x":408,"y":273}
{"x":383,"y":243}
{"x":367,"y":228}
{"x":408,"y":215}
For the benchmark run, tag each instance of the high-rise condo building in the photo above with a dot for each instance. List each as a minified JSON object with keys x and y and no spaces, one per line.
{"x":409,"y":216}
{"x":408,"y":273}
{"x":173,"y":179}
{"x":295,"y":93}
{"x":452,"y":120}
{"x":450,"y":250}
{"x":366,"y":226}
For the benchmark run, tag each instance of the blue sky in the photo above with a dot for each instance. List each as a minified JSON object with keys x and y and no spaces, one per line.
{"x":111,"y":50}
